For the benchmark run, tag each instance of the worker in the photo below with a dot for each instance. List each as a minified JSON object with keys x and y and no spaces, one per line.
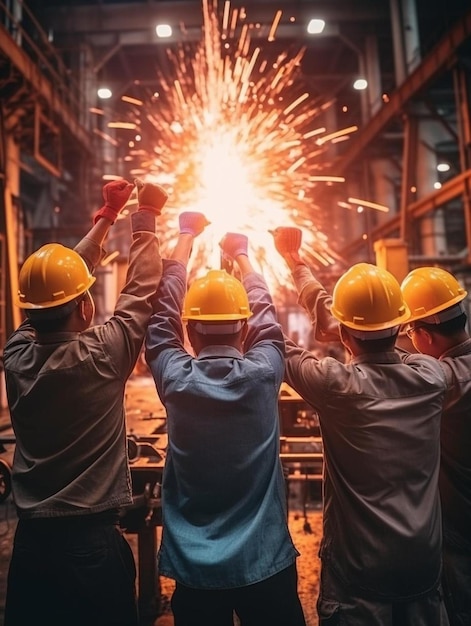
{"x":380,"y":424}
{"x":438,"y":327}
{"x":225,"y":538}
{"x":65,"y":383}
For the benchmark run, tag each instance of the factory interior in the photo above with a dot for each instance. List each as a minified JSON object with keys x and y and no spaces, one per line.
{"x":243,"y":114}
{"x":350,"y":120}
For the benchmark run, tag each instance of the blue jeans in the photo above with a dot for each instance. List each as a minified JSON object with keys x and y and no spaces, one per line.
{"x":71,"y":571}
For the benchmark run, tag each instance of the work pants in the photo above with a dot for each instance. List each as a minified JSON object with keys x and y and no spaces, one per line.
{"x":271,"y":602}
{"x":339,"y":605}
{"x":457,"y":577}
{"x":76,"y":571}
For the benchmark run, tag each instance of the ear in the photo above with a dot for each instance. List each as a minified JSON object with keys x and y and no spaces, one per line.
{"x":82,"y":313}
{"x":346,"y":338}
{"x":428,"y":336}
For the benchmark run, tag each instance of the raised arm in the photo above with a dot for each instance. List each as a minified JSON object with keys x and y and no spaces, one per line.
{"x":312,"y":295}
{"x":191,"y":224}
{"x":263,"y":325}
{"x":116,"y":194}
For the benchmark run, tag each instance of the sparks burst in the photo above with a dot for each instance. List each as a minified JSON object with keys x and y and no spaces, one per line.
{"x":237,"y":139}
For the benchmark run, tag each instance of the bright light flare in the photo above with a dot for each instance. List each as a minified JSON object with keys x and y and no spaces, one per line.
{"x":236,"y":138}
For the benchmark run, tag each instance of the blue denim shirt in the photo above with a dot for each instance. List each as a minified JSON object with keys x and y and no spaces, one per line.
{"x":224,"y":501}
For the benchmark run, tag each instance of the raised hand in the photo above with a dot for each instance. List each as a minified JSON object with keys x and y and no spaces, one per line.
{"x":287,"y":239}
{"x":234,"y":244}
{"x":116,"y":193}
{"x":150,"y":196}
{"x":192,"y":223}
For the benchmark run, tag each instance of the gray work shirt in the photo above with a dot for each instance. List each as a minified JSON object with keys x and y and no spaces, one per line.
{"x":380,"y":422}
{"x":66,"y":396}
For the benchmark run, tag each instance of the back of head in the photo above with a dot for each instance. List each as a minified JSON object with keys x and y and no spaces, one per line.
{"x":368,"y":301}
{"x":52,"y":281}
{"x":216,"y":304}
{"x":433,"y":295}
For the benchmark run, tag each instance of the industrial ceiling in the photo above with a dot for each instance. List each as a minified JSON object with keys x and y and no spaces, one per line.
{"x":114,"y":43}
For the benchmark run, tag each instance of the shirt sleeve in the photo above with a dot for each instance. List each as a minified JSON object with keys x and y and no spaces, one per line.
{"x":316,"y":302}
{"x":123,"y":334}
{"x":307,"y":374}
{"x":165,"y":330}
{"x":264,"y":330}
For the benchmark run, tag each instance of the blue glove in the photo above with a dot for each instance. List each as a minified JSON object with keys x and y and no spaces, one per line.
{"x":233,"y":244}
{"x":192,"y":223}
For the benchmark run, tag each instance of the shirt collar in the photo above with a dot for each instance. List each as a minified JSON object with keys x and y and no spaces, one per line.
{"x":379,"y":357}
{"x":462,"y":348}
{"x":212,"y":352}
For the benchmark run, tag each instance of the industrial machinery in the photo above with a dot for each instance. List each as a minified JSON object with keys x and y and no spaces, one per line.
{"x":300,"y":443}
{"x":146,"y":457}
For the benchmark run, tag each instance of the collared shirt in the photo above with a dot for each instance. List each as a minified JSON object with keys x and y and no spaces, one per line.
{"x":380,"y":422}
{"x":224,"y":500}
{"x":455,"y":471}
{"x":66,"y":396}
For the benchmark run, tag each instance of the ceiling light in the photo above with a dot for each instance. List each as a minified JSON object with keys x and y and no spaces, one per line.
{"x":104,"y":93}
{"x":315,"y":26}
{"x":163,"y":30}
{"x":443,"y":167}
{"x":360,"y":84}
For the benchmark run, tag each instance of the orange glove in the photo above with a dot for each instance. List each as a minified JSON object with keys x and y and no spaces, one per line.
{"x":150,"y":196}
{"x":287,"y":239}
{"x":115,"y":193}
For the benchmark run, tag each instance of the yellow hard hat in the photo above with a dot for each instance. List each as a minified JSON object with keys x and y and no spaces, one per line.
{"x":52,"y":276}
{"x":218,"y":296}
{"x":368,"y":298}
{"x":430,"y":290}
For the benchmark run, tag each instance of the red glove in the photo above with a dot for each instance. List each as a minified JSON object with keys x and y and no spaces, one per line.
{"x":150,"y":196}
{"x":287,"y":239}
{"x":233,"y":244}
{"x":192,"y":223}
{"x":115,"y":193}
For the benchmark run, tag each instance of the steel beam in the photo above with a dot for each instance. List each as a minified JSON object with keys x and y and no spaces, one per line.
{"x":433,"y":64}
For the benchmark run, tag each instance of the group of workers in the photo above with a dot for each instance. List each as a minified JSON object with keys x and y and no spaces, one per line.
{"x":396,"y":431}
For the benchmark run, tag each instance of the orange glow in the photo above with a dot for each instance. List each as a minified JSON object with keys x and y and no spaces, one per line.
{"x":235,"y":138}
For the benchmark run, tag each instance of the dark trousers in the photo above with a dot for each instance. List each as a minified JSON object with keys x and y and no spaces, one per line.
{"x":272,"y":602}
{"x":71,"y":571}
{"x":338,"y":604}
{"x":457,"y":577}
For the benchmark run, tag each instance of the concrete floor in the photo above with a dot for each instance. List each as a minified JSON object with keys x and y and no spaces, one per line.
{"x":146,"y":415}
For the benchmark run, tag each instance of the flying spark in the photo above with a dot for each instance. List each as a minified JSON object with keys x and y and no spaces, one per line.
{"x":237,"y":137}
